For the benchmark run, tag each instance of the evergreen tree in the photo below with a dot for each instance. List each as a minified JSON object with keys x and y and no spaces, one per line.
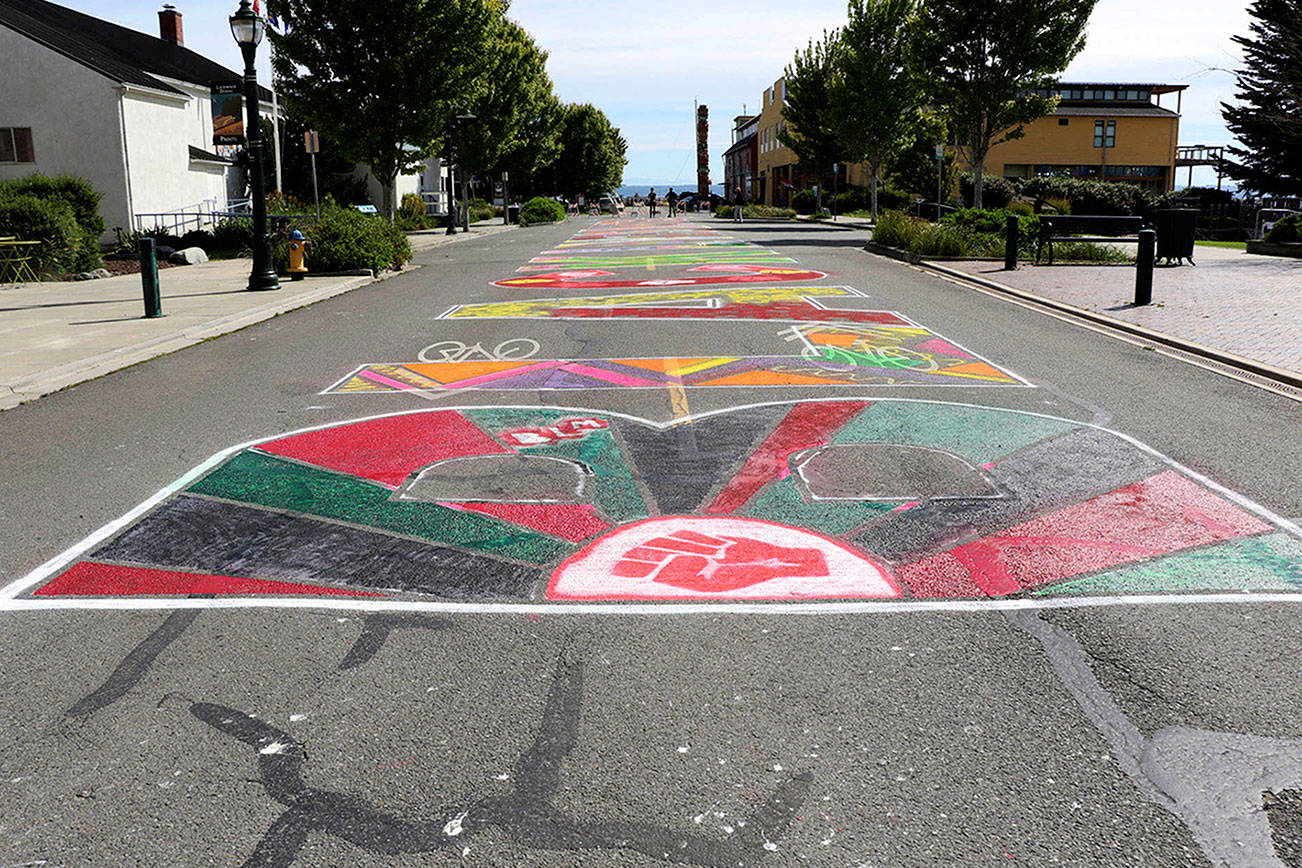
{"x":1267,"y":120}
{"x":873,"y":96}
{"x":980,"y":62}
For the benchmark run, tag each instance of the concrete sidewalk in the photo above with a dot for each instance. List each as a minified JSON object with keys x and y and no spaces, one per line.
{"x":54,"y":335}
{"x":1232,"y":302}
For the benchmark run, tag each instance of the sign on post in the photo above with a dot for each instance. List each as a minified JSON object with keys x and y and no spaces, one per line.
{"x":227,"y":113}
{"x":312,"y":142}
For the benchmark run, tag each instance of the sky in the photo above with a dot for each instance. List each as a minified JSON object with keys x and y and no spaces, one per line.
{"x":647,"y":62}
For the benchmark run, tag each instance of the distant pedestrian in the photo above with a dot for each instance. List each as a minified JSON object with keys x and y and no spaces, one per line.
{"x":672,"y":199}
{"x":651,"y":202}
{"x":738,"y":204}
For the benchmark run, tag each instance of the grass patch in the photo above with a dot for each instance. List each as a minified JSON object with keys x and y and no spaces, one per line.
{"x":1228,"y":245}
{"x":971,"y":234}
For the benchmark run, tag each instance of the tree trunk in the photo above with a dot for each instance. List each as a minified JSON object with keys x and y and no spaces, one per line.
{"x":387,"y":205}
{"x":872,"y":192}
{"x":978,"y":180}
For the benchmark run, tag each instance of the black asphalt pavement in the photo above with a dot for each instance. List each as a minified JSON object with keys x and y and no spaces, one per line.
{"x":1118,"y":727}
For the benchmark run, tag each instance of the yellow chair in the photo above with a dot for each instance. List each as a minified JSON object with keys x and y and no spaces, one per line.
{"x":16,"y":261}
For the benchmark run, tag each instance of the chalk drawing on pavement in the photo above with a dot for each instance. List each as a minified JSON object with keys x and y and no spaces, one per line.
{"x":852,"y":499}
{"x":701,"y":275}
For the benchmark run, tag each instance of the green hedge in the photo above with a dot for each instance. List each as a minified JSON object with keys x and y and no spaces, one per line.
{"x":541,"y":210}
{"x":757,"y":212}
{"x":996,"y":192}
{"x":1099,"y":198}
{"x":348,"y":240}
{"x":977,"y":235}
{"x":1286,"y":231}
{"x":65,"y":195}
{"x":50,"y":222}
{"x":480,"y":210}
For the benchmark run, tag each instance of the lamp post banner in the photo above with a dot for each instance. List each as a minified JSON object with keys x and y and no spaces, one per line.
{"x":228,"y":113}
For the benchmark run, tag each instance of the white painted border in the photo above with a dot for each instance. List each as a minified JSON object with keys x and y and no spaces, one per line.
{"x":10,"y":603}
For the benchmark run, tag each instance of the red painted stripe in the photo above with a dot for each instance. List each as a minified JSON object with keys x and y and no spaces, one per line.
{"x":1161,"y":515}
{"x":775,"y":310}
{"x":387,"y":450}
{"x":573,"y":522}
{"x":89,"y":579}
{"x":807,"y":425}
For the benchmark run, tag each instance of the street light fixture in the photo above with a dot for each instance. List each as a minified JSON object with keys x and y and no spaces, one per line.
{"x":248,"y":28}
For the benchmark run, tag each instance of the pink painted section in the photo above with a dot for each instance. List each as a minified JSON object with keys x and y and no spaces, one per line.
{"x":807,"y":425}
{"x":773,"y":311}
{"x":574,"y":523}
{"x":387,"y":450}
{"x":89,"y":579}
{"x":944,"y":348}
{"x":1163,"y":514}
{"x":383,"y":380}
{"x":611,"y":376}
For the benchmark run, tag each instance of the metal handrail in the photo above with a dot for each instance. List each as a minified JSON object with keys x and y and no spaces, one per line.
{"x":1277,"y":212}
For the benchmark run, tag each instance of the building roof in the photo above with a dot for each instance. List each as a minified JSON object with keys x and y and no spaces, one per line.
{"x":1113,"y":111}
{"x":117,"y":52}
{"x":741,"y":144}
{"x":1117,"y":85}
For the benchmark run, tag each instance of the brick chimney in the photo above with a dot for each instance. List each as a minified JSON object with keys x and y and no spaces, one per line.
{"x":169,"y":25}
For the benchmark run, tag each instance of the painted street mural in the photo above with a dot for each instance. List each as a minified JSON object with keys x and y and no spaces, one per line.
{"x":700,"y":275}
{"x":818,"y":500}
{"x":813,"y":345}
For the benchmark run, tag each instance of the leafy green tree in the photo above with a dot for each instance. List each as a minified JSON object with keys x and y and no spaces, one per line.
{"x":383,"y":79}
{"x":873,"y":95}
{"x":592,"y":152}
{"x":808,"y":112}
{"x":980,"y":62}
{"x":914,"y":170}
{"x":1268,"y":117}
{"x":517,"y":120}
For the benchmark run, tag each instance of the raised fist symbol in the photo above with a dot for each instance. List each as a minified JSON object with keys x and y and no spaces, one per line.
{"x":713,"y":564}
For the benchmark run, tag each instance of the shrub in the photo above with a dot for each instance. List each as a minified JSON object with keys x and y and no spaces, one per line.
{"x":49,"y":221}
{"x":411,"y":214}
{"x":541,"y":210}
{"x":1101,"y":198}
{"x":81,"y":199}
{"x":198,"y":238}
{"x":978,"y":234}
{"x":860,"y":199}
{"x":233,"y":235}
{"x":480,"y":210}
{"x":1286,"y":231}
{"x":348,"y":240}
{"x":804,"y":202}
{"x":996,"y":192}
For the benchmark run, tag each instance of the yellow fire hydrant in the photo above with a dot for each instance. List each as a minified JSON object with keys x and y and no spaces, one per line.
{"x":297,"y":255}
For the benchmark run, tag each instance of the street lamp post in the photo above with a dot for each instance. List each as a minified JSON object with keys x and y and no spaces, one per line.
{"x":248,"y":27}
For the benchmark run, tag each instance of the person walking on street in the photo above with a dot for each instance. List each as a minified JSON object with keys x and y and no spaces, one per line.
{"x":738,"y":204}
{"x":671,"y":198}
{"x":651,"y":202}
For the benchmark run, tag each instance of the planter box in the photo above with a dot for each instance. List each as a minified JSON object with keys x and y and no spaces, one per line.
{"x":1265,"y":248}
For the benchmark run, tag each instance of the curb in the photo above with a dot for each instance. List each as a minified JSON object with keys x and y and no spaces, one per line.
{"x":1261,"y":369}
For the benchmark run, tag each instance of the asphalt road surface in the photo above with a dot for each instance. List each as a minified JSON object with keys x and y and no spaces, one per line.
{"x":650,"y":542}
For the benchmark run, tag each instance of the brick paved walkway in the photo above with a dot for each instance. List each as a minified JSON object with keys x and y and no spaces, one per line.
{"x":1247,"y":305}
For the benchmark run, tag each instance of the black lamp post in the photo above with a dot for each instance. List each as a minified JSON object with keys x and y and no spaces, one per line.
{"x":248,"y":28}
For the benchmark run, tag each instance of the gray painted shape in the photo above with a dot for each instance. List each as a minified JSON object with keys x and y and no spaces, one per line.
{"x":1049,"y":475}
{"x":886,"y":471}
{"x":231,"y":539}
{"x":500,"y":479}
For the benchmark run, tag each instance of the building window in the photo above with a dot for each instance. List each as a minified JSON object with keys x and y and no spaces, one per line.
{"x":1105,"y":134}
{"x":1062,"y":122}
{"x":16,"y":145}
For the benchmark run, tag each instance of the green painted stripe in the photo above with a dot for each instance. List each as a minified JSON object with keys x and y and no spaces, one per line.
{"x":979,"y":435}
{"x":1265,"y":563}
{"x":251,"y":477}
{"x":782,"y":502}
{"x":616,"y":495}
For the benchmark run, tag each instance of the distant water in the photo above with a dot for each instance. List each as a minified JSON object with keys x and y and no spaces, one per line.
{"x":661,"y":189}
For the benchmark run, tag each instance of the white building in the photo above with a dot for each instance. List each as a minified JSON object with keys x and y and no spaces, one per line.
{"x":127,"y":111}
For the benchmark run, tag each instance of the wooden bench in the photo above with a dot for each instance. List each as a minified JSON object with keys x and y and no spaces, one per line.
{"x":1063,"y":227}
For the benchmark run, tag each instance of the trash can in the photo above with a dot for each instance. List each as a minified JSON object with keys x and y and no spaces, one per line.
{"x":513,"y":213}
{"x":1175,"y":233}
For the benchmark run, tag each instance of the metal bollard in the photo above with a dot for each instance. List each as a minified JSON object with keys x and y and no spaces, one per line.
{"x":149,"y":278}
{"x":1144,"y":267}
{"x":1012,"y":232}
